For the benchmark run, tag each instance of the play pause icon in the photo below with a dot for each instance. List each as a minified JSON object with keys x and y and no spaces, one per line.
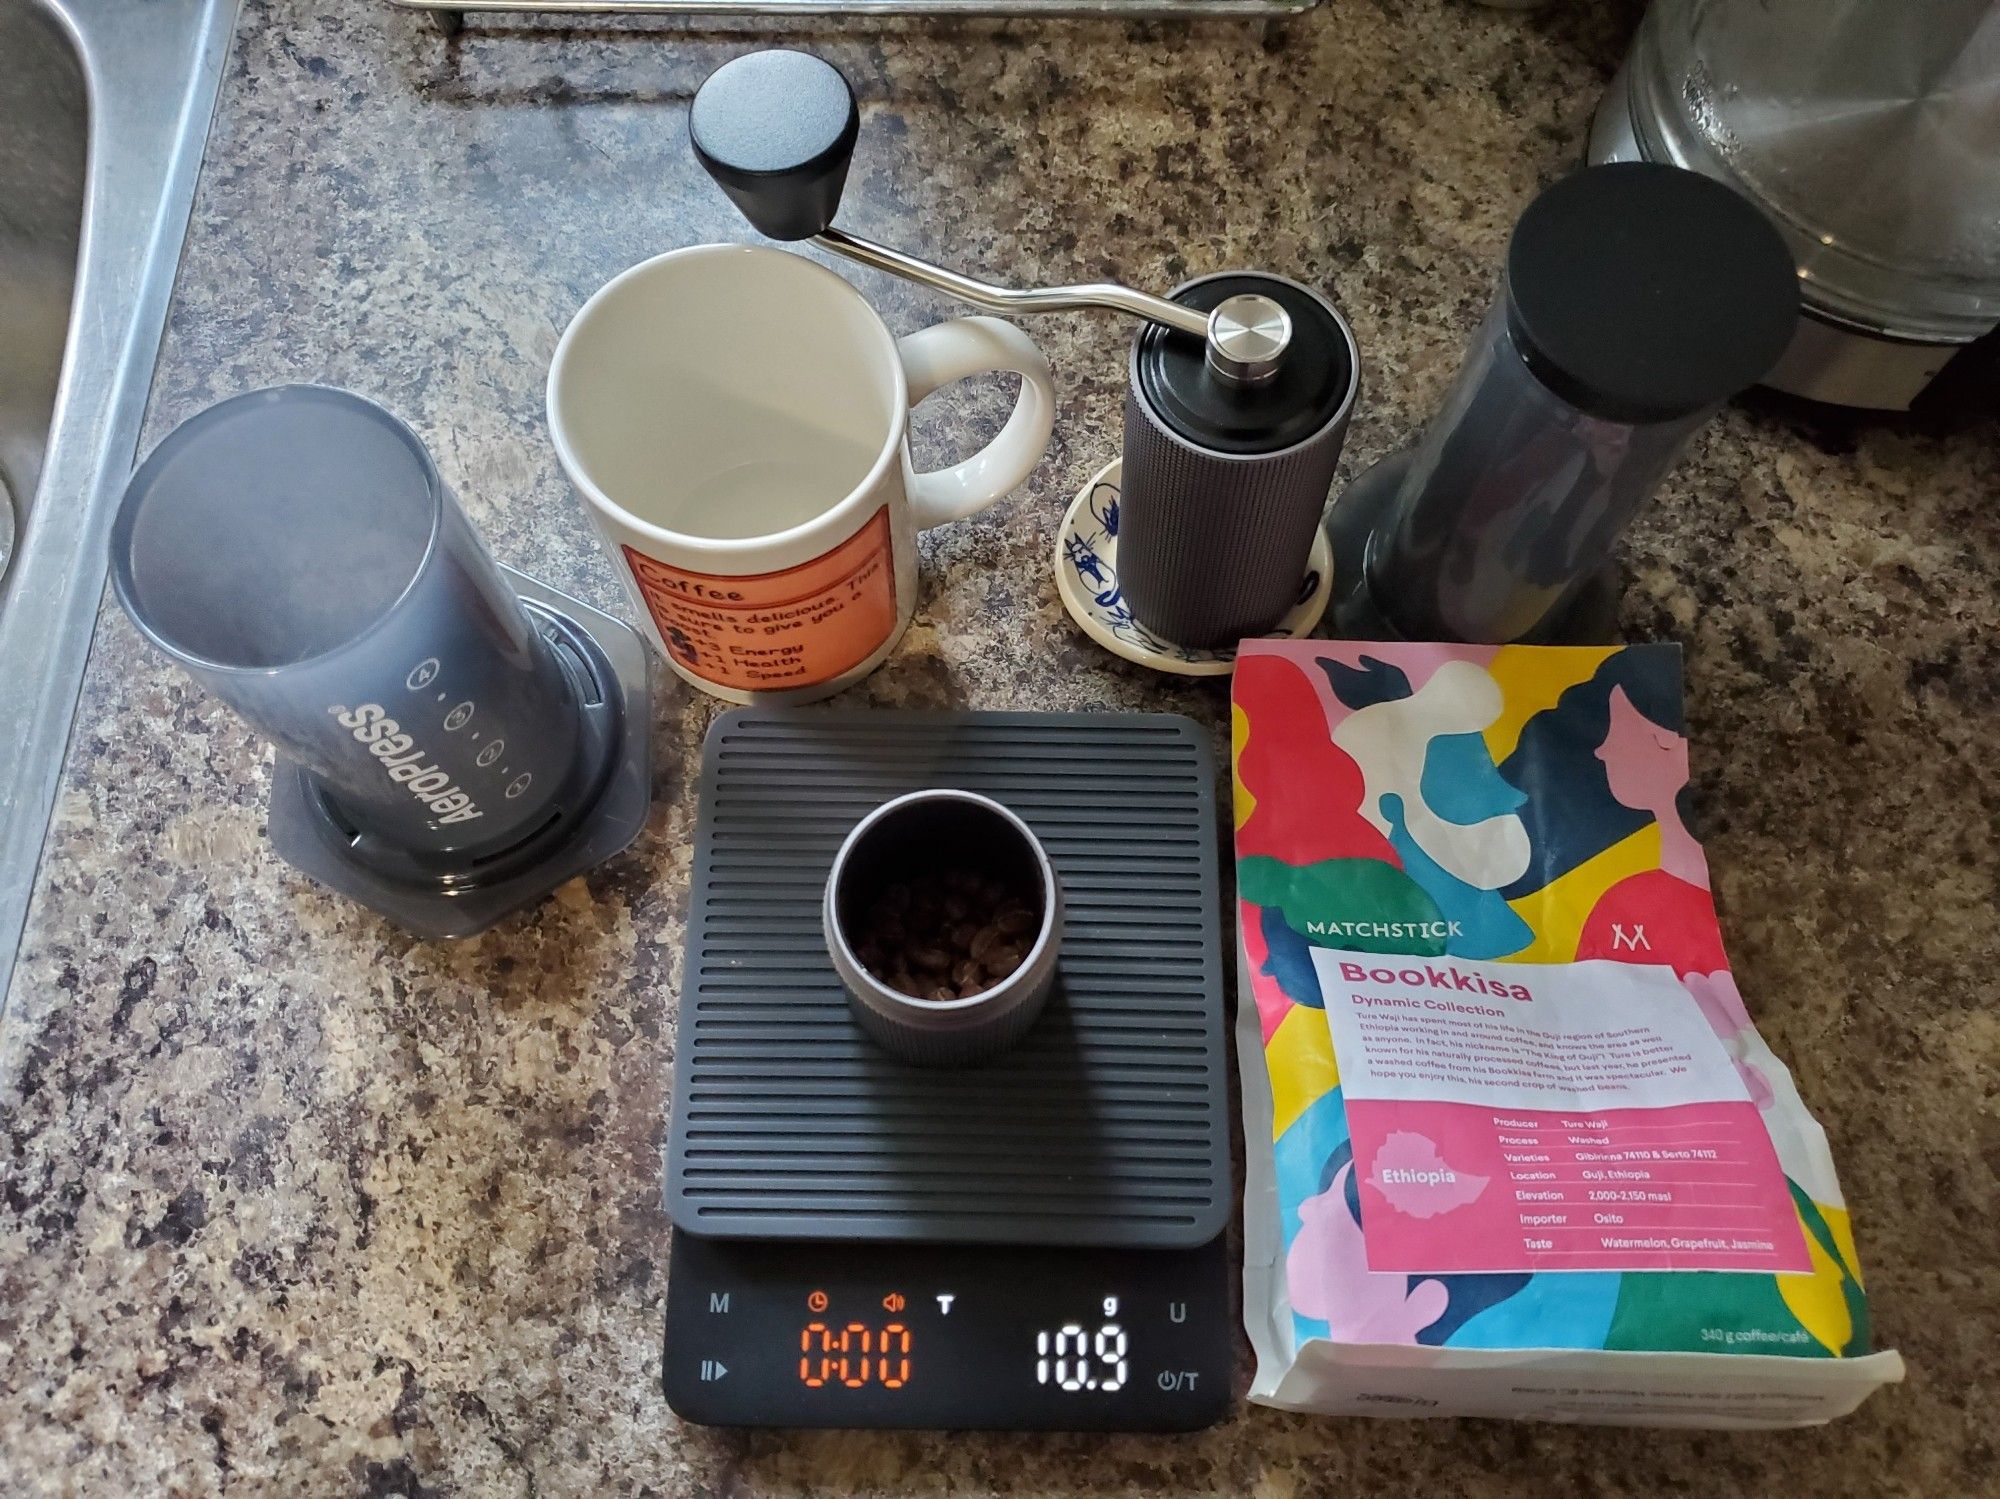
{"x":711,"y":1370}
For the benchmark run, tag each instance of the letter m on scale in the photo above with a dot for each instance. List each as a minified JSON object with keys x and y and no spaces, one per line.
{"x":1629,"y":941}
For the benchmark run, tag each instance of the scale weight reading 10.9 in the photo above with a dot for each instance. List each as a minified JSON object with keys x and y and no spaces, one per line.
{"x":763,"y":1333}
{"x":1032,"y":1243}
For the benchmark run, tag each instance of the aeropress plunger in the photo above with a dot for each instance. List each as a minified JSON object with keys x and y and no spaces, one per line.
{"x":1240,"y":384}
{"x":454,"y":739}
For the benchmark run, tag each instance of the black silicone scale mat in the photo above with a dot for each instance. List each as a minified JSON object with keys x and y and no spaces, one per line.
{"x":1107,"y":1124}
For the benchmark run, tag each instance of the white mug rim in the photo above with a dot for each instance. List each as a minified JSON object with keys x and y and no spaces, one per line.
{"x":746,"y":548}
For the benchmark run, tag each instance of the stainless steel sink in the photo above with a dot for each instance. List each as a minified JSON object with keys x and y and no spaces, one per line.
{"x":42,"y":160}
{"x":104,"y":106}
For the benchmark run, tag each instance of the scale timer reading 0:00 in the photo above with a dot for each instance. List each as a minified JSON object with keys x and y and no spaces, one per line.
{"x":994,"y":1338}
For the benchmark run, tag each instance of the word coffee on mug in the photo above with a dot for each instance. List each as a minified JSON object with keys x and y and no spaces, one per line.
{"x":798,"y":627}
{"x":736,"y":420}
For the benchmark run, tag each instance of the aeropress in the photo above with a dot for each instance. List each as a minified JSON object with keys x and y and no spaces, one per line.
{"x":454,"y":739}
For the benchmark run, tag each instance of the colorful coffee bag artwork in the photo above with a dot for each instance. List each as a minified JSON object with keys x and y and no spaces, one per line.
{"x":1514,"y":1146}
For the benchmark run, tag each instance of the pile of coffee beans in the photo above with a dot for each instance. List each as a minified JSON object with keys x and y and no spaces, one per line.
{"x":946,"y":933}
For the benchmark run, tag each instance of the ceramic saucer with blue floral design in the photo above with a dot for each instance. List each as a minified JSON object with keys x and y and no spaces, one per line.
{"x":1087,"y":578}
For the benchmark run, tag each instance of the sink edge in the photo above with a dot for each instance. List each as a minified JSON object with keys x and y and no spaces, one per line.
{"x":141,"y":137}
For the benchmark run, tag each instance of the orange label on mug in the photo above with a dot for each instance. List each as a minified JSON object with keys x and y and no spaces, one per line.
{"x":795,"y":628}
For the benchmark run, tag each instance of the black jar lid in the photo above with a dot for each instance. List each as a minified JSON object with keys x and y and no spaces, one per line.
{"x":1308,"y":391}
{"x":1640,"y":292}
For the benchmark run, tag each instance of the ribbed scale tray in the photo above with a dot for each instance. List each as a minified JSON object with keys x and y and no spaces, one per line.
{"x":1106,"y":1125}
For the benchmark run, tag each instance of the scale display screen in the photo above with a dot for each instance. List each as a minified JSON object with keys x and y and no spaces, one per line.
{"x":848,"y":1334}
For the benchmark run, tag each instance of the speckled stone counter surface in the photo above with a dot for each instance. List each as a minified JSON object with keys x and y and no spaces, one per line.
{"x":296,"y":1205}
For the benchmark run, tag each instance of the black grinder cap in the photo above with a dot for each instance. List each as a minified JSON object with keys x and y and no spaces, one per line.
{"x":1315,"y":380}
{"x":1640,"y":292}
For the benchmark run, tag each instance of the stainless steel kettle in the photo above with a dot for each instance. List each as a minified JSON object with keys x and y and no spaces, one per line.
{"x":1870,"y":135}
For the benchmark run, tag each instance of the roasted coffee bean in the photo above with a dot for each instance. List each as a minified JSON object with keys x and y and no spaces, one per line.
{"x":1003,"y":961}
{"x":1016,"y":920}
{"x":948,"y":932}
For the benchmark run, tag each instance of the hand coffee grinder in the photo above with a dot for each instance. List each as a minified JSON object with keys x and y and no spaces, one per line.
{"x":1240,"y":384}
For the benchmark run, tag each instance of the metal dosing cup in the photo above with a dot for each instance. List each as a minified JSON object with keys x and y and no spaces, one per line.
{"x":296,"y":552}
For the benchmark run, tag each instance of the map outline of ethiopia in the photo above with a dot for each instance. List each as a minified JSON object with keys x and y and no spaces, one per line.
{"x":1416,"y":1180}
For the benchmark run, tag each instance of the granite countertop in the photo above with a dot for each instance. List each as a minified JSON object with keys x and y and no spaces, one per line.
{"x":297,"y":1205}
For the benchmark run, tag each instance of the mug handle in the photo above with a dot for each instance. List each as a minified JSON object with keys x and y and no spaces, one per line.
{"x":936,"y":356}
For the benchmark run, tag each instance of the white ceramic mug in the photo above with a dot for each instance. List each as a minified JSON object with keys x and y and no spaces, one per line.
{"x":737,"y":421}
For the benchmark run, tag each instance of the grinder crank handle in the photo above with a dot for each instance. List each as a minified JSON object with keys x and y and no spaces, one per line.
{"x":776,"y":130}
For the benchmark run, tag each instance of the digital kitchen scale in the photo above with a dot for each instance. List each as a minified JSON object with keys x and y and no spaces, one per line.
{"x":1035,"y":1242}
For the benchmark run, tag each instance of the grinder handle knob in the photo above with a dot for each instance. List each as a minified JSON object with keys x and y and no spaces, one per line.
{"x":776,"y":130}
